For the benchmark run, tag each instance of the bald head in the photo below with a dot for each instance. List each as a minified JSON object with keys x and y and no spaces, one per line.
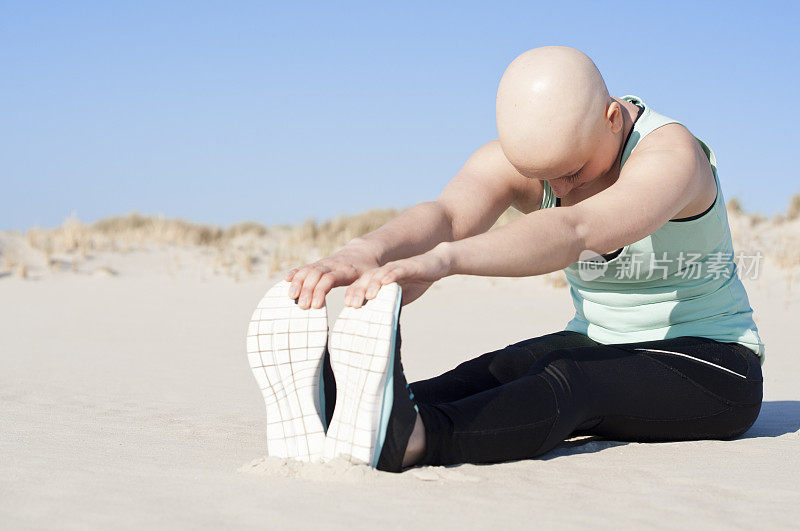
{"x":551,"y":106}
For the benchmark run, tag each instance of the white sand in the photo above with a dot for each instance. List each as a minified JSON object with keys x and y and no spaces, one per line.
{"x":127,"y":401}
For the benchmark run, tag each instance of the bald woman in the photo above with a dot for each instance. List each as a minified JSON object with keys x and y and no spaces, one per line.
{"x":626,"y":201}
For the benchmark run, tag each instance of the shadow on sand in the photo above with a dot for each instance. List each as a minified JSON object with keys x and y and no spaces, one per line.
{"x":777,"y":418}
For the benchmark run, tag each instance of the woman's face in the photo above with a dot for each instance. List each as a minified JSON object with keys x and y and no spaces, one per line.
{"x":598,"y":159}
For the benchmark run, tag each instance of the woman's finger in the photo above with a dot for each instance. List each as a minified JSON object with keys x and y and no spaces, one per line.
{"x":309,"y":283}
{"x":326,"y":283}
{"x":355,"y":293}
{"x":376,"y":281}
{"x":297,"y":281}
{"x":290,"y":274}
{"x":395,"y":275}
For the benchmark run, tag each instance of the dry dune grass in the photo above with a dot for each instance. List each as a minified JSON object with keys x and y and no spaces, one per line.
{"x":241,"y":249}
{"x":251,"y":248}
{"x":13,"y":262}
{"x":123,"y":233}
{"x":793,"y":211}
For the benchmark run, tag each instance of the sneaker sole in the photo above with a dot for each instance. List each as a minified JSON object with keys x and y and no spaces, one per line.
{"x":362,"y":358}
{"x":285,"y":348}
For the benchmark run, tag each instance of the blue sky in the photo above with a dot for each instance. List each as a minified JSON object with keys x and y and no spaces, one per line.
{"x":277,"y":112}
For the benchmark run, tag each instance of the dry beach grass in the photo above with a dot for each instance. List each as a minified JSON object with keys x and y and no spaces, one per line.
{"x":250,"y":248}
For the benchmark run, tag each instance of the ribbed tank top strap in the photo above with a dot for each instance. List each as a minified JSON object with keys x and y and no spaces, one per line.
{"x":548,"y":197}
{"x":648,"y":122}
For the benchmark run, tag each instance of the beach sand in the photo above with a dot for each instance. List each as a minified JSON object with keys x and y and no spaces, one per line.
{"x":126,"y":400}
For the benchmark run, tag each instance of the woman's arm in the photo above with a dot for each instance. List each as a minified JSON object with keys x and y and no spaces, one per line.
{"x":470,"y":204}
{"x":654,"y":186}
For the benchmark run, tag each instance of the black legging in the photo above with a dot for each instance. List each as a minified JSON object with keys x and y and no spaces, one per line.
{"x":523,"y":400}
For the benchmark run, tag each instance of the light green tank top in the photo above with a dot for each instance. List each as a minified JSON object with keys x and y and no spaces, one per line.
{"x":682,"y":280}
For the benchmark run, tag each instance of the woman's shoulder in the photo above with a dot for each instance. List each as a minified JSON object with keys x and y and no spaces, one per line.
{"x":676,"y":141}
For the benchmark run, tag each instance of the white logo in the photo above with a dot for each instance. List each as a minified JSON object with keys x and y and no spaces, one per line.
{"x":591,"y":265}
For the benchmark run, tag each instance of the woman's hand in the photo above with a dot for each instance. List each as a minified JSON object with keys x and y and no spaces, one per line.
{"x":415,"y":275}
{"x":312,"y":282}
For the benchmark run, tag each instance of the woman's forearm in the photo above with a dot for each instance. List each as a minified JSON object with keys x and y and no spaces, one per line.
{"x":415,"y":231}
{"x":539,"y":243}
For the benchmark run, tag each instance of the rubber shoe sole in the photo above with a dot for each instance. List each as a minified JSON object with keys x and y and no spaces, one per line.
{"x":285,"y":347}
{"x":362,"y":349}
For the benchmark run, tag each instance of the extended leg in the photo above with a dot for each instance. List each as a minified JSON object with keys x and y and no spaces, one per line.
{"x":675,"y":389}
{"x":493,"y":369}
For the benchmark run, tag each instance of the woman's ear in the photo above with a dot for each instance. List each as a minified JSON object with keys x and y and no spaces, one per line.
{"x":614,"y":119}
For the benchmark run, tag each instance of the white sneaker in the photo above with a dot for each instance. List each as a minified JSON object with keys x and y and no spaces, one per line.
{"x":285,"y":347}
{"x":374,"y":413}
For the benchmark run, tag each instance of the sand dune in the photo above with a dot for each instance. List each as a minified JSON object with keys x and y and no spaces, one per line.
{"x":126,"y":399}
{"x":181,"y":248}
